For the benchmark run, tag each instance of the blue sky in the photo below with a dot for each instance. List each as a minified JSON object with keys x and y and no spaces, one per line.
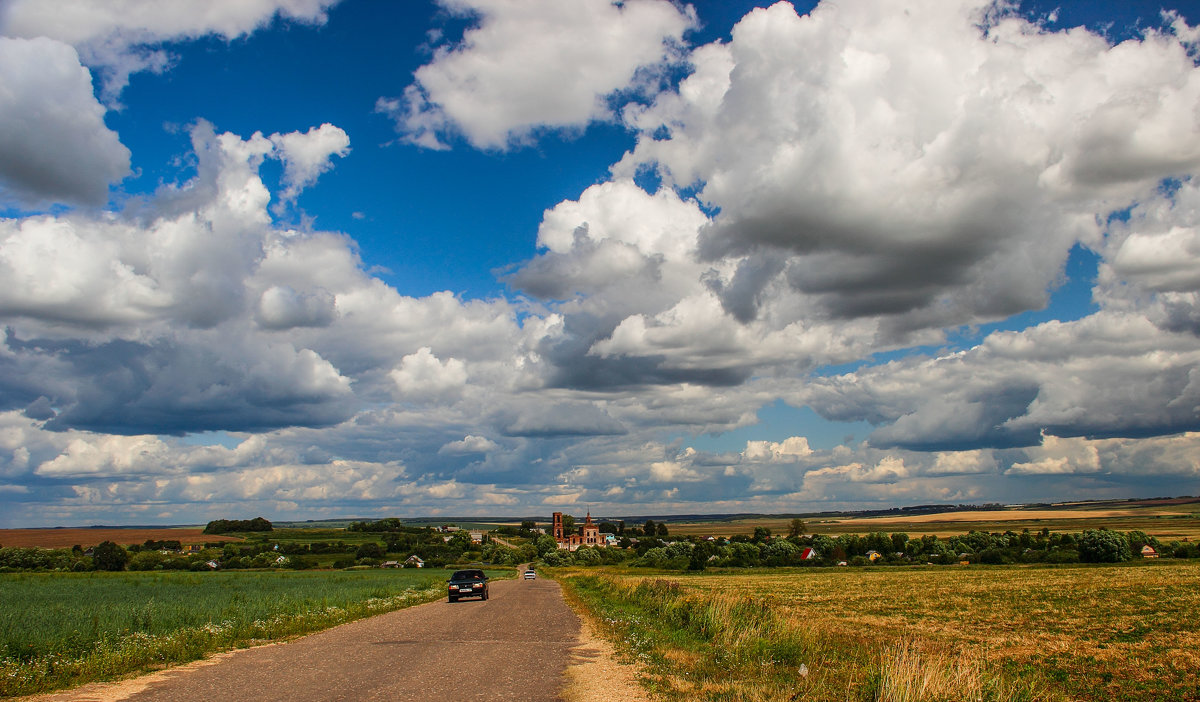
{"x":306,"y":258}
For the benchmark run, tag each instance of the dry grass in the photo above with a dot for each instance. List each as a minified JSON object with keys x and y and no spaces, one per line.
{"x":66,"y":538}
{"x":1086,"y":633}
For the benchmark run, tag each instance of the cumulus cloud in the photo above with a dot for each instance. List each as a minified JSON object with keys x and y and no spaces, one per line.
{"x":423,"y":377}
{"x":906,"y":164}
{"x":54,"y":145}
{"x":535,"y":64}
{"x":307,"y":155}
{"x":1110,"y":374}
{"x":470,"y":444}
{"x":123,"y":38}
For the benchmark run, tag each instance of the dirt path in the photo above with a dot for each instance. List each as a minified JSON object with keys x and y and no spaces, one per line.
{"x":514,"y":646}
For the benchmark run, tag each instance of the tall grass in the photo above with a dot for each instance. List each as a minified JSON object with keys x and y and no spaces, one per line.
{"x":58,"y":630}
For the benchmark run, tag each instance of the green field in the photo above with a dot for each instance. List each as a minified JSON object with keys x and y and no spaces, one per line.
{"x":1005,"y":633}
{"x":63,"y":629}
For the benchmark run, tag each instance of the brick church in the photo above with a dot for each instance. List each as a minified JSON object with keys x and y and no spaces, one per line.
{"x":588,"y":535}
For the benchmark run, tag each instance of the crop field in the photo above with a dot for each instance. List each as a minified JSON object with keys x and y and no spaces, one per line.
{"x":1168,"y":520}
{"x":64,"y":629}
{"x":1122,"y":632}
{"x":66,"y":538}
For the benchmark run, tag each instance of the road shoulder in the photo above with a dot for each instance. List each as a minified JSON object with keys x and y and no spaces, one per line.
{"x":595,"y":673}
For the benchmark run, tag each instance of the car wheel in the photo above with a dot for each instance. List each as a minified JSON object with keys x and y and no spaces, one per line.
{"x":485,"y":594}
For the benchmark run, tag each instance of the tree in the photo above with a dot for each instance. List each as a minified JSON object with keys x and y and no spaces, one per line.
{"x":369,"y":550}
{"x":649,"y":529}
{"x":545,"y":544}
{"x":109,"y":556}
{"x":528,"y":525}
{"x":1103,"y":546}
{"x":761,"y":534}
{"x":797,"y":527}
{"x":568,"y":524}
{"x":661,"y":529}
{"x":460,"y":540}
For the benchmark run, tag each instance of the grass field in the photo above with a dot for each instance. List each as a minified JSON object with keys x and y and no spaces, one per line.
{"x":981,"y":633}
{"x":59,"y":630}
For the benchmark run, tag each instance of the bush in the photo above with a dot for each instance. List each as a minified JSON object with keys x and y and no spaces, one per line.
{"x":1103,"y":546}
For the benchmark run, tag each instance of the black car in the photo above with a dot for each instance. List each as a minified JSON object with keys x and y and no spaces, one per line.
{"x":468,"y":583}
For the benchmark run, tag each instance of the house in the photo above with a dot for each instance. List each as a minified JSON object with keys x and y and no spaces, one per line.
{"x":808,"y":554}
{"x":281,"y":560}
{"x":477,"y":537}
{"x":1149,"y":552}
{"x":874,"y":556}
{"x":193,"y":548}
{"x":414,"y":561}
{"x":212,"y":565}
{"x":390,"y":564}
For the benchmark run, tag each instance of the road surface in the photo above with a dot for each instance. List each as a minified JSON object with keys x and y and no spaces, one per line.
{"x":514,"y":646}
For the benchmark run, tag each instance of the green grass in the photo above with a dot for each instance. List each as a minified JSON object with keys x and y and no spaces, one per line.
{"x":63,"y":629}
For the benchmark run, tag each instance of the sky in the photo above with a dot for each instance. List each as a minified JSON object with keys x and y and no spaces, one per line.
{"x":309,"y":259}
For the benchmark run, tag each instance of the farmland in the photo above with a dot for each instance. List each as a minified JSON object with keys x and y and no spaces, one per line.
{"x":1121,"y":632}
{"x":66,"y":538}
{"x":61,"y":629}
{"x":1166,"y":519}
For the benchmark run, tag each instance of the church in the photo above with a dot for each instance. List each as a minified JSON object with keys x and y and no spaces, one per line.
{"x":588,"y":535}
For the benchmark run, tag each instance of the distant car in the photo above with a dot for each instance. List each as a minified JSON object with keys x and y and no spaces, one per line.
{"x":468,"y":583}
{"x":530,"y":575}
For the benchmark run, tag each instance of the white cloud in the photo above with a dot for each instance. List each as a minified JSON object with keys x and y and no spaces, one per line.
{"x":54,"y":145}
{"x":470,"y":444}
{"x":790,"y":449}
{"x":905,"y":166}
{"x":422,"y":377}
{"x":120,"y":36}
{"x":307,"y":155}
{"x":535,"y":63}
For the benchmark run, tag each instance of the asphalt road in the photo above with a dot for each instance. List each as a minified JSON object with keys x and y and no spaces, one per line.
{"x":514,"y":646}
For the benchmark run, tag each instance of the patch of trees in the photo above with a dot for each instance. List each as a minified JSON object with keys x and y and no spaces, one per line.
{"x":225,"y":526}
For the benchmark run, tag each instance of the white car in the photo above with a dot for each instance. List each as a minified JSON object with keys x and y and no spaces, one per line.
{"x":530,"y":575}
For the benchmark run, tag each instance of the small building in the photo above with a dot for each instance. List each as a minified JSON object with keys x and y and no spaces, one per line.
{"x":390,"y":564}
{"x":477,"y":537}
{"x":212,"y":565}
{"x":414,"y":561}
{"x":193,"y":548}
{"x":1149,"y":552}
{"x":808,"y":554}
{"x":874,"y":556}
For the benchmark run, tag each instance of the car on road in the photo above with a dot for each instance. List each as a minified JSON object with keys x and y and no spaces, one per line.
{"x":530,"y":575}
{"x":468,"y":583}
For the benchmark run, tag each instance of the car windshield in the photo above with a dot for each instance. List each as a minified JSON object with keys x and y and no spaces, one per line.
{"x":468,"y":575}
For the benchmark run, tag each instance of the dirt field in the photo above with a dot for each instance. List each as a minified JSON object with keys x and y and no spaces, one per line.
{"x":66,"y":538}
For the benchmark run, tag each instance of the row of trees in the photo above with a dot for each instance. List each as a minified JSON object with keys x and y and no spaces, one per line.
{"x":225,"y":526}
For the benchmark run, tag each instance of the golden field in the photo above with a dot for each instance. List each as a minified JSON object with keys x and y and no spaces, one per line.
{"x":1120,"y":632}
{"x":1168,"y":520}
